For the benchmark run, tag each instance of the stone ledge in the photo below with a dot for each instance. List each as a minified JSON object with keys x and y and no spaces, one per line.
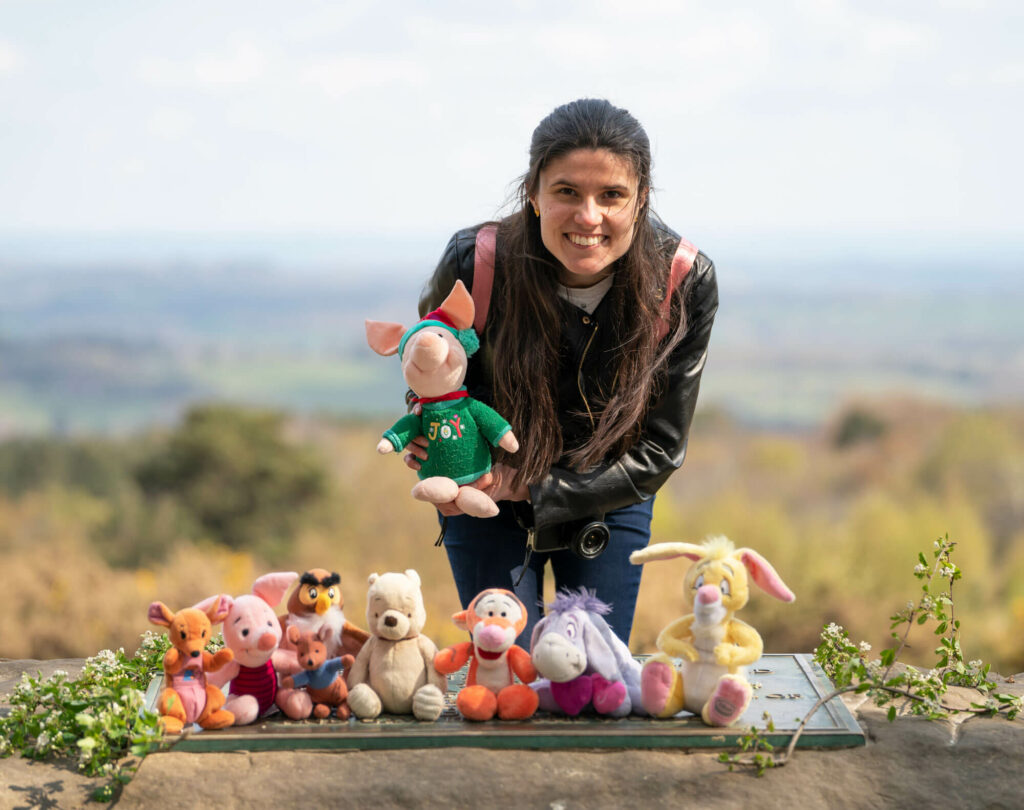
{"x":972,"y":763}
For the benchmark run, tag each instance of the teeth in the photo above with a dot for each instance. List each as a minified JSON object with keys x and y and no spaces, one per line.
{"x":585,"y":241}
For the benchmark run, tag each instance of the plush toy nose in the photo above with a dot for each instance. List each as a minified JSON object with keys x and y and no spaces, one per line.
{"x":709,"y":594}
{"x":266,"y":642}
{"x":390,"y":621}
{"x":323,"y":604}
{"x":491,"y":636}
{"x":195,"y":653}
{"x":429,"y":351}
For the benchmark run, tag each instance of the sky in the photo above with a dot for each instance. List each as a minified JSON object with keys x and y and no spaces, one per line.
{"x":222,"y":122}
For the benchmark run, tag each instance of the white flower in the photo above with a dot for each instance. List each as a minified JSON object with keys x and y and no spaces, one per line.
{"x":42,"y":741}
{"x":920,"y":568}
{"x":865,"y":647}
{"x":947,"y":571}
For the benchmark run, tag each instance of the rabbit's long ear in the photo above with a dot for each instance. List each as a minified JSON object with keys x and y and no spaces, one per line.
{"x":667,"y":551}
{"x":764,"y":575}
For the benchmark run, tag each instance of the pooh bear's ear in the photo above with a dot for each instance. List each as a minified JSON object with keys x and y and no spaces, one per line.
{"x":411,"y":573}
{"x":459,"y":307}
{"x":373,"y":578}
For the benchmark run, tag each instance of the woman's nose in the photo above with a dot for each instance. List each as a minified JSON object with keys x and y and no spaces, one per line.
{"x":589,"y":213}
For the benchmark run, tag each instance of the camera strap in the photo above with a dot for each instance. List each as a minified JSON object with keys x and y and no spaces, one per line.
{"x":531,"y":536}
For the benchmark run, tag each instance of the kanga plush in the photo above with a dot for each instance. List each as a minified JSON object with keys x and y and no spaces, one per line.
{"x":494,"y":618}
{"x":187,"y":697}
{"x":714,"y":646}
{"x":459,"y":429}
{"x":394,"y":671}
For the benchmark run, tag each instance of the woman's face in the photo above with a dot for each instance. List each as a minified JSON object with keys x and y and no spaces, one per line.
{"x":588,"y":201}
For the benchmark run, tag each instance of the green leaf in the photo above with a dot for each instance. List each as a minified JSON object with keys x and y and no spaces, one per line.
{"x":891,"y":713}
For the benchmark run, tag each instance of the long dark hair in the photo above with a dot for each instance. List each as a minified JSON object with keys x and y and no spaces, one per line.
{"x":527,"y":322}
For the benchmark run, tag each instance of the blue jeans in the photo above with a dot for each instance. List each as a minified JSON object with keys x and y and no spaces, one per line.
{"x":489,"y":552}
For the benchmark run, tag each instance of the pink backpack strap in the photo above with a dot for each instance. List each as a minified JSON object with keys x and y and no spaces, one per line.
{"x":682,"y":261}
{"x":483,"y":274}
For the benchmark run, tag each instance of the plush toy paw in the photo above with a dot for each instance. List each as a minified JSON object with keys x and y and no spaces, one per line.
{"x":661,"y":687}
{"x":728,"y":702}
{"x":573,"y":696}
{"x":436,"y":489}
{"x":427,"y":703}
{"x":608,"y":695}
{"x":517,"y":702}
{"x":245,"y":708}
{"x":295,"y":703}
{"x":475,"y":503}
{"x":477,"y":703}
{"x":364,"y":702}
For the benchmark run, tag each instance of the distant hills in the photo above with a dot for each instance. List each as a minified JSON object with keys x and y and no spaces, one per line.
{"x":113,"y":347}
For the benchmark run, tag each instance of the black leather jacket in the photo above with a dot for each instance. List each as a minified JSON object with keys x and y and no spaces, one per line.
{"x":565,"y":494}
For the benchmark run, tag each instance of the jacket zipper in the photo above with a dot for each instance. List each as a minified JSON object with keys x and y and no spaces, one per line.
{"x":579,"y":376}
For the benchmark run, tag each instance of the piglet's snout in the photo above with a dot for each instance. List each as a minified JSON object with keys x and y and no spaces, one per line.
{"x":429,"y":352}
{"x":267,"y":642}
{"x":708,"y":595}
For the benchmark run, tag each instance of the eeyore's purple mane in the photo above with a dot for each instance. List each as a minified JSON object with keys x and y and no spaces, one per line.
{"x":582,"y":599}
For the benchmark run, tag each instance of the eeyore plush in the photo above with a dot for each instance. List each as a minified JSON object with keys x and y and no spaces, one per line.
{"x":581,"y":661}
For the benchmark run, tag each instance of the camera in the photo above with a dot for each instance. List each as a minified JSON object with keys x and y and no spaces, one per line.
{"x":586,"y":538}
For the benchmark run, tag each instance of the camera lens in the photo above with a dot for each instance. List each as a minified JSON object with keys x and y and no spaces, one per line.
{"x":590,"y":540}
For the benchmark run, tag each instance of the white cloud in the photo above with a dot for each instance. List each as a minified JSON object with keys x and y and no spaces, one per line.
{"x":170,"y":123}
{"x":244,"y":63}
{"x":1010,"y":74}
{"x":341,"y":75}
{"x":10,"y":58}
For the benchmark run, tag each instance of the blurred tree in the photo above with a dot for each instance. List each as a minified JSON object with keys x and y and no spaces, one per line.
{"x":241,"y":480}
{"x":858,"y":425}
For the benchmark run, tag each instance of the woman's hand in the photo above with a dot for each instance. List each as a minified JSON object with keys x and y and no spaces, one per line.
{"x":502,"y":489}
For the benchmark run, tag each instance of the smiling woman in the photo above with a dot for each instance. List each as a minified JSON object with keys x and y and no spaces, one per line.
{"x":593,"y":348}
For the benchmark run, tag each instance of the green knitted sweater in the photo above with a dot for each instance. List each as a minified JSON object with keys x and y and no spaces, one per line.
{"x":459,"y":434}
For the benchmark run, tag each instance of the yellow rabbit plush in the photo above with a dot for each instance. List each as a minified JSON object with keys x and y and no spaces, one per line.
{"x":715,"y":647}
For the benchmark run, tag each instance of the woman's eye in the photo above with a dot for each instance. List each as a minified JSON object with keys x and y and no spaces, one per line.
{"x":567,"y":192}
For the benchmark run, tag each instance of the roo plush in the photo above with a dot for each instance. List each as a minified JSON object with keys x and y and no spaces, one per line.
{"x":459,"y":429}
{"x":187,"y":697}
{"x":493,"y":619}
{"x":394,"y":671}
{"x":715,"y":647}
{"x":321,"y":676}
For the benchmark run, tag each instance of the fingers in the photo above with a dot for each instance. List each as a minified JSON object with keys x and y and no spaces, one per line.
{"x":448,"y":509}
{"x":411,"y":462}
{"x":418,"y":448}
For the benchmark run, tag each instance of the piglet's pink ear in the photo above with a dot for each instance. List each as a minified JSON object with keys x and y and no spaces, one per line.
{"x":458,"y":306}
{"x":160,"y":614}
{"x":271,"y":588}
{"x":384,"y":337}
{"x":764,"y":575}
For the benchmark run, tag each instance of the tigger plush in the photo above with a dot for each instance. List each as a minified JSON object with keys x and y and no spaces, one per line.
{"x":493,"y":619}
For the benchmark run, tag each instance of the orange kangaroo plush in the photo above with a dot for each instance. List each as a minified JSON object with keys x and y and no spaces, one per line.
{"x":187,"y":698}
{"x":494,"y":619}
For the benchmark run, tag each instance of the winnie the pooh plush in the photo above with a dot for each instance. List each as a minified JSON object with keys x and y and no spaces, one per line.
{"x":394,"y":671}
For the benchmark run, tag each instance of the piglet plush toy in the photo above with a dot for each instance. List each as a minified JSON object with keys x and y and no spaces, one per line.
{"x":460,"y":430}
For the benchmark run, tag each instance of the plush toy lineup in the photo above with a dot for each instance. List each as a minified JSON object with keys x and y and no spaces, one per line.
{"x":312,"y":663}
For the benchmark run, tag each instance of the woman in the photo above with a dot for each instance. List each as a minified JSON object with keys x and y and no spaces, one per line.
{"x":596,"y":372}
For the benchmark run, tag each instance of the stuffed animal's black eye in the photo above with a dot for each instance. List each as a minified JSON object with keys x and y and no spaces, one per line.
{"x":724,"y":585}
{"x":204,"y":634}
{"x":408,"y":615}
{"x":490,"y":612}
{"x":312,"y":593}
{"x":330,"y":593}
{"x":184,"y":635}
{"x":245,"y":632}
{"x":503,"y":614}
{"x":700,"y":582}
{"x":269,"y":624}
